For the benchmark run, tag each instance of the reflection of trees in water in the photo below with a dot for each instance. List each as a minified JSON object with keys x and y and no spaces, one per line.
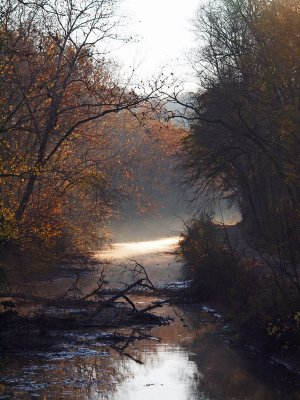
{"x":227,"y":376}
{"x":224,"y":373}
{"x":227,"y":373}
{"x":190,"y":353}
{"x":80,"y":366}
{"x":77,"y":378}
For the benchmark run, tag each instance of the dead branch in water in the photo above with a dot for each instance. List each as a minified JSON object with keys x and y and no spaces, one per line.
{"x":156,"y":304}
{"x":136,"y":270}
{"x":121,"y":294}
{"x":100,"y":283}
{"x":127,"y":340}
{"x":75,"y":296}
{"x":74,"y":291}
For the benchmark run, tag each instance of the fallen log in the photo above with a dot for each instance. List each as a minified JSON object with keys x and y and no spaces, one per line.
{"x":117,"y":296}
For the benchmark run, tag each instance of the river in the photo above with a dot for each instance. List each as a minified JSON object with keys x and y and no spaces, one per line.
{"x":192,"y":358}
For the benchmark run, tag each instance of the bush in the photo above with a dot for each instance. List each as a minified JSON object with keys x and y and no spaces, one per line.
{"x":206,"y":260}
{"x":263,"y":303}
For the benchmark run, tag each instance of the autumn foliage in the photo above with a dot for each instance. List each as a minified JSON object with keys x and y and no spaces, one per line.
{"x":74,"y":139}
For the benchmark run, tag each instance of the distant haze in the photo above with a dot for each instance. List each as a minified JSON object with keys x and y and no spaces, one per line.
{"x":162,"y":30}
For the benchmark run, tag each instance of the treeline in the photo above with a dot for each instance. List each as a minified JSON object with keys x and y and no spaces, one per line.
{"x":244,"y":145}
{"x":244,"y":141}
{"x":75,"y":138}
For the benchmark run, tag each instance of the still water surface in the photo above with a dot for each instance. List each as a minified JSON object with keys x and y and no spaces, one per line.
{"x":187,"y":360}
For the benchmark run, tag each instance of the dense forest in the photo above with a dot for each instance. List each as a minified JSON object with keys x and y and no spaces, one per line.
{"x":244,"y":145}
{"x":77,"y":137}
{"x":245,"y":133}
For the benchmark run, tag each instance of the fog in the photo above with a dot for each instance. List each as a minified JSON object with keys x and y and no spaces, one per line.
{"x":170,"y":221}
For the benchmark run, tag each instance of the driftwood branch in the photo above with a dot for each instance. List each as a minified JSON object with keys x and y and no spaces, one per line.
{"x":74,"y":291}
{"x":142,"y":281}
{"x":130,"y":302}
{"x":135,"y":335}
{"x":117,"y":296}
{"x":138,"y":271}
{"x":156,"y":304}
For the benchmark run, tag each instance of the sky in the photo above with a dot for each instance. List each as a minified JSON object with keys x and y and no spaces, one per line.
{"x":162,"y":31}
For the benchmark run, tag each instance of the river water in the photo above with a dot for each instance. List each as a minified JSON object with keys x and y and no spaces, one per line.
{"x":192,"y":358}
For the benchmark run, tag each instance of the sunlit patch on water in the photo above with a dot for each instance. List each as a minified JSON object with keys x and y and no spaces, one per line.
{"x":129,"y":249}
{"x":168,"y":373}
{"x":157,"y":256}
{"x":188,"y":359}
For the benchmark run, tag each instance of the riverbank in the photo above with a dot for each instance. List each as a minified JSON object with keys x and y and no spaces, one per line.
{"x":181,"y":351}
{"x":255,"y":290}
{"x":190,"y":358}
{"x":42,"y":326}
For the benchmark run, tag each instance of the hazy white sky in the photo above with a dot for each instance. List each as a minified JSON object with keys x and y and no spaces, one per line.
{"x":162,"y":29}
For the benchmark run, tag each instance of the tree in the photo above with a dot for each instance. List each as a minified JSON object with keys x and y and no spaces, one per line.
{"x":244,"y":139}
{"x":57,"y":90}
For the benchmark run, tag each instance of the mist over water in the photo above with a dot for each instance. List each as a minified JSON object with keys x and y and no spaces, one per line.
{"x":152,"y":242}
{"x":188,"y":359}
{"x":133,"y":229}
{"x":173,"y":205}
{"x":143,"y":228}
{"x":136,"y":249}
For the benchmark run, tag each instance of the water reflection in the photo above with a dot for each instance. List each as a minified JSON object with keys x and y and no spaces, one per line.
{"x":156,"y":255}
{"x":191,"y":360}
{"x":135,"y":249}
{"x":167,"y":374}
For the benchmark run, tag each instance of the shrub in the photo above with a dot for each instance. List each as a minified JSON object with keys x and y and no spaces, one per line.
{"x":263,"y":302}
{"x":206,"y":260}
